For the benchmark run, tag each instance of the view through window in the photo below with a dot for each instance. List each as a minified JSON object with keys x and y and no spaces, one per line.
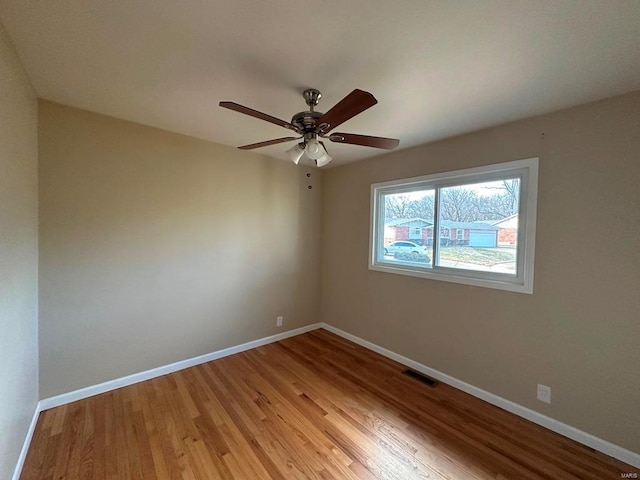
{"x":467,"y":225}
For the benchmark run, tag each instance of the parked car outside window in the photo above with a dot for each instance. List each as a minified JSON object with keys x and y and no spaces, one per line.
{"x":404,"y":247}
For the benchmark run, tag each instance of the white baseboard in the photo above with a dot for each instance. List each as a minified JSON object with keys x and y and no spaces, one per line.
{"x":86,"y":392}
{"x":573,"y":433}
{"x":25,"y":446}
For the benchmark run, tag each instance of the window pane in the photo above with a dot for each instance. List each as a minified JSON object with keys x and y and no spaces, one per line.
{"x":479,"y":226}
{"x":484,"y":234}
{"x":408,"y":228}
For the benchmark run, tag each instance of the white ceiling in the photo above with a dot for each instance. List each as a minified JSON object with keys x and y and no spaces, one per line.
{"x":437,"y":68}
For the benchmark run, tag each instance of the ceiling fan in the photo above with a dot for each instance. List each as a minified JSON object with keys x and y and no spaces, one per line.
{"x":311,"y":125}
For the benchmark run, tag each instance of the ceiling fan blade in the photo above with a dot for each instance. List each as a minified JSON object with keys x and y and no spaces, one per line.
{"x":255,"y":113}
{"x":268,"y":142}
{"x":365,"y":140}
{"x":350,"y":106}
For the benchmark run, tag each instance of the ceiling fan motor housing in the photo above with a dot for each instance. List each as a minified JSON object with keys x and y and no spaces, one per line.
{"x":306,"y":121}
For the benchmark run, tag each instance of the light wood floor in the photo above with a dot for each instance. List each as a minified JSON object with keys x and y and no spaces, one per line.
{"x":314,"y":406}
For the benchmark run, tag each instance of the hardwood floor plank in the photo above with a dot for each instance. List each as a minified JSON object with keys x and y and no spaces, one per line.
{"x":278,"y":441}
{"x":58,"y":422}
{"x":86,"y":447}
{"x":284,"y":408}
{"x":241,"y":419}
{"x":235,"y":440}
{"x":144,"y":392}
{"x":120,"y":443}
{"x":347,"y":408}
{"x":36,"y":456}
{"x":312,"y":422}
{"x":315,"y":406}
{"x":161,"y":418}
{"x":97,"y":454}
{"x":429,"y":416}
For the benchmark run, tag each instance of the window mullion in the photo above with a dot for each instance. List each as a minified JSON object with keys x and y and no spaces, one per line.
{"x":436,"y":228}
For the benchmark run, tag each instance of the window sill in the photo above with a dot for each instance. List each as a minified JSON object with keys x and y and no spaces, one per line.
{"x":453,"y":276}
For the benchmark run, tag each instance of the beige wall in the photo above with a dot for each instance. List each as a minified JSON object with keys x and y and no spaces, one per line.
{"x":578,"y":333}
{"x":18,"y":255}
{"x":157,"y":247}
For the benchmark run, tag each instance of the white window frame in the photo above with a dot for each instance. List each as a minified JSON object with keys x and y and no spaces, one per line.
{"x":522,"y":281}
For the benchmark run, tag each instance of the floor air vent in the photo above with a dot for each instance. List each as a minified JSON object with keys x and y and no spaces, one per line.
{"x":420,"y":377}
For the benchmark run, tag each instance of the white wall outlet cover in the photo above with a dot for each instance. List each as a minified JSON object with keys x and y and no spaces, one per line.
{"x":279,"y":321}
{"x":544,"y":393}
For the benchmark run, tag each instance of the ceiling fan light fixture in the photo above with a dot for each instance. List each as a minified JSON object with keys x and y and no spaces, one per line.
{"x":314,"y":150}
{"x":295,"y":153}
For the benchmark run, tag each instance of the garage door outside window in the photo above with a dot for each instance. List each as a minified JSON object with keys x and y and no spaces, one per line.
{"x":483,"y":239}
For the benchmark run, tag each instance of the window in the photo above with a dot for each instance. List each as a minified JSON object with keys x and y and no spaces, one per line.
{"x":473,"y":226}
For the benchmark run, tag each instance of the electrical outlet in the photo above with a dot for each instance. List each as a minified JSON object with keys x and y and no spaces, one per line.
{"x":279,"y":321}
{"x":544,"y":393}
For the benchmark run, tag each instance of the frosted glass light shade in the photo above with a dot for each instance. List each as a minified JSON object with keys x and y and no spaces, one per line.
{"x":295,"y":153}
{"x":314,"y":150}
{"x":323,"y":160}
